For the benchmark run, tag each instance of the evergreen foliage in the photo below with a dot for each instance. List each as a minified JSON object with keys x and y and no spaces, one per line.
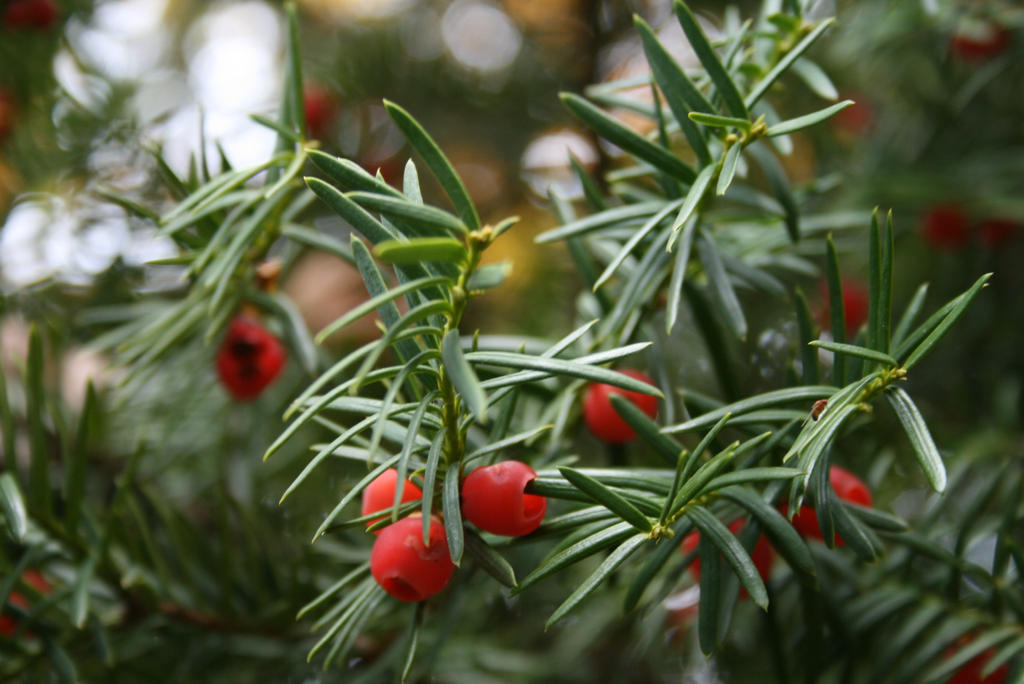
{"x":181,"y":554}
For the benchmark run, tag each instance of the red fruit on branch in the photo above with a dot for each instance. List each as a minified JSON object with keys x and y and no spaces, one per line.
{"x":979,"y":40}
{"x":855,"y":306}
{"x":407,"y":568}
{"x":602,"y":418}
{"x":494,"y":499}
{"x":8,"y":114}
{"x":37,"y":14}
{"x":856,"y":120}
{"x":995,"y":232}
{"x":32,"y":578}
{"x":848,"y":487}
{"x":249,"y":358}
{"x":945,"y":227}
{"x":379,"y":495}
{"x":320,"y":107}
{"x":762,"y":554}
{"x":971,"y":672}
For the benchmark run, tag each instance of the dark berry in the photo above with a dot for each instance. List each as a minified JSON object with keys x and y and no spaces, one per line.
{"x":971,"y":672}
{"x":37,"y":14}
{"x":8,"y":114}
{"x":945,"y":227}
{"x":979,"y":40}
{"x":404,"y":566}
{"x":995,"y":232}
{"x":494,"y":499}
{"x":602,"y":418}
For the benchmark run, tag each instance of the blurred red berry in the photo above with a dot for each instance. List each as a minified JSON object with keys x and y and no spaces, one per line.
{"x":34,"y":579}
{"x":994,"y":232}
{"x":8,"y":625}
{"x":379,"y":495}
{"x":601,"y":417}
{"x":979,"y":40}
{"x":762,"y":554}
{"x":848,"y":487}
{"x":320,"y":106}
{"x":971,"y":672}
{"x":946,"y":227}
{"x":8,"y":114}
{"x":249,"y":358}
{"x":37,"y":14}
{"x":407,"y":568}
{"x":494,"y":499}
{"x":854,"y":121}
{"x":855,"y":306}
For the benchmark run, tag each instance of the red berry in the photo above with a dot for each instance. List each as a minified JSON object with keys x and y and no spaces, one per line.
{"x":33,"y":578}
{"x":7,"y":623}
{"x":996,"y":231}
{"x":762,"y":554}
{"x":848,"y":487}
{"x":493,"y":499}
{"x":319,"y":105}
{"x":855,"y":306}
{"x":971,"y":672}
{"x":979,"y":40}
{"x":406,"y":568}
{"x":602,"y":419}
{"x":856,"y":120}
{"x":380,"y":494}
{"x":945,"y":227}
{"x":7,"y":114}
{"x":38,"y":14}
{"x":249,"y":359}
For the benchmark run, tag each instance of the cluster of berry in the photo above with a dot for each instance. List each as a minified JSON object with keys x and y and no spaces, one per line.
{"x":848,"y":487}
{"x":493,"y":498}
{"x":605,"y":423}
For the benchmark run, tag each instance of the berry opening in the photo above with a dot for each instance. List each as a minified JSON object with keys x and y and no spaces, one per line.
{"x":249,"y":359}
{"x":494,"y":499}
{"x":534,"y":505}
{"x":404,"y":566}
{"x":400,"y":589}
